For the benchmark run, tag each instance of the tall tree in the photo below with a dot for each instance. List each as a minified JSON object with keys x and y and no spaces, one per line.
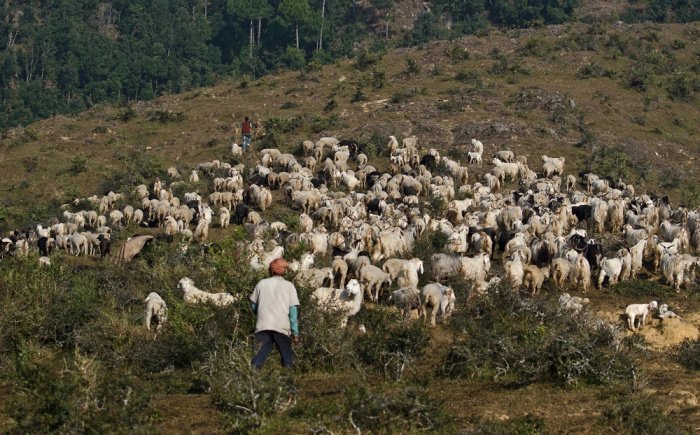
{"x":296,"y":12}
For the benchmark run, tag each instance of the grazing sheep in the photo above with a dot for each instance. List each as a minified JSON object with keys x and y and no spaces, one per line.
{"x":340,"y":270}
{"x":440,"y":298}
{"x":581,"y":273}
{"x":193,"y":295}
{"x":156,"y":311}
{"x":407,"y":299}
{"x":194,"y":177}
{"x":372,"y":277}
{"x":561,"y":269}
{"x":262,"y":261}
{"x":533,"y":277}
{"x":346,"y":302}
{"x":612,"y":268}
{"x":173,"y":172}
{"x":505,"y":156}
{"x":634,"y":310}
{"x":105,"y":245}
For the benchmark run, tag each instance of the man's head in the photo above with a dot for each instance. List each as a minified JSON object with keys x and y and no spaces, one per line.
{"x":246,"y":118}
{"x":278,"y":267}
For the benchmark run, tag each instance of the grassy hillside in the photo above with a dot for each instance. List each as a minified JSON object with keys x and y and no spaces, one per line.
{"x":620,"y":100}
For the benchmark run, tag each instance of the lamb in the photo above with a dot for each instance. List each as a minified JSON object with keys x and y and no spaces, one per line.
{"x":561,"y":269}
{"x":573,"y":303}
{"x":533,"y":277}
{"x":262,"y":262}
{"x":192,"y":295}
{"x":156,"y":311}
{"x":440,"y":298}
{"x":201,"y":233}
{"x":612,"y":268}
{"x":665,"y":313}
{"x":581,"y":273}
{"x":634,"y":310}
{"x":346,"y":302}
{"x":236,"y":150}
{"x":393,"y":266}
{"x":557,"y":164}
{"x":408,"y":276}
{"x":194,"y":177}
{"x":173,"y":173}
{"x":105,"y":245}
{"x":445,"y":266}
{"x":505,"y":156}
{"x":224,"y":217}
{"x":315,"y":277}
{"x":373,"y":277}
{"x":407,"y":299}
{"x":474,"y":158}
{"x":340,"y":270}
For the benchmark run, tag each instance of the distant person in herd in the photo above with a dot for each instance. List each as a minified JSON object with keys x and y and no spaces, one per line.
{"x":275,"y":301}
{"x":247,"y":132}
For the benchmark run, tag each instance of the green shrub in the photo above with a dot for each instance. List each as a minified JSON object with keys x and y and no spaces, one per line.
{"x":688,"y":354}
{"x":526,"y":425}
{"x":641,"y":287}
{"x":330,"y":105}
{"x":247,"y":396}
{"x":78,"y":164}
{"x":682,"y":87}
{"x":137,"y":167}
{"x":127,"y":114}
{"x":636,"y":412}
{"x":520,"y":341}
{"x":408,"y":410}
{"x":367,"y":59}
{"x":412,"y":67}
{"x":30,"y":163}
{"x":166,"y":116}
{"x":55,"y":393}
{"x":391,"y":346}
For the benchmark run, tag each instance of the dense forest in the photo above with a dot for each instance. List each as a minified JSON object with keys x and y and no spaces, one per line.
{"x":64,"y":56}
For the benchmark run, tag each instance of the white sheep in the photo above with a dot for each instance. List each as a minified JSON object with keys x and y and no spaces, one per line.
{"x":156,"y":311}
{"x":224,"y":217}
{"x":407,"y":299}
{"x":373,"y":277}
{"x":440,"y":298}
{"x":262,"y":261}
{"x":346,"y":302}
{"x":194,"y":177}
{"x":573,"y":303}
{"x":634,"y":310}
{"x":193,"y":295}
{"x":665,"y":313}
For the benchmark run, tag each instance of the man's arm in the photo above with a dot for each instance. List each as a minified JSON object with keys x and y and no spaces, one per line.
{"x":293,"y":320}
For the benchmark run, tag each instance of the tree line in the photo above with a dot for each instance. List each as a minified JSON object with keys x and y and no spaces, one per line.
{"x":65,"y":56}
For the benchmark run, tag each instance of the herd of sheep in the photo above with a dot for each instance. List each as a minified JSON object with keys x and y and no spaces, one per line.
{"x":364,"y":223}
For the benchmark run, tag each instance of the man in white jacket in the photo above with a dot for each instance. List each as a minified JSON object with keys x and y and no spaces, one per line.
{"x":275,"y":302}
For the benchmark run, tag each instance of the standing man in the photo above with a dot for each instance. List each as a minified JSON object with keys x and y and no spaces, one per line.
{"x":275,"y":301}
{"x":246,"y":131}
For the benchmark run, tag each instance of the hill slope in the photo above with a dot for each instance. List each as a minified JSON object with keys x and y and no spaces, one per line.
{"x":619,"y":100}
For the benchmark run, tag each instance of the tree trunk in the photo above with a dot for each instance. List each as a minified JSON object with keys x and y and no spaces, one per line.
{"x":296,"y":28}
{"x":386,"y":31}
{"x":251,"y":41}
{"x":259,"y":29}
{"x":320,"y":32}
